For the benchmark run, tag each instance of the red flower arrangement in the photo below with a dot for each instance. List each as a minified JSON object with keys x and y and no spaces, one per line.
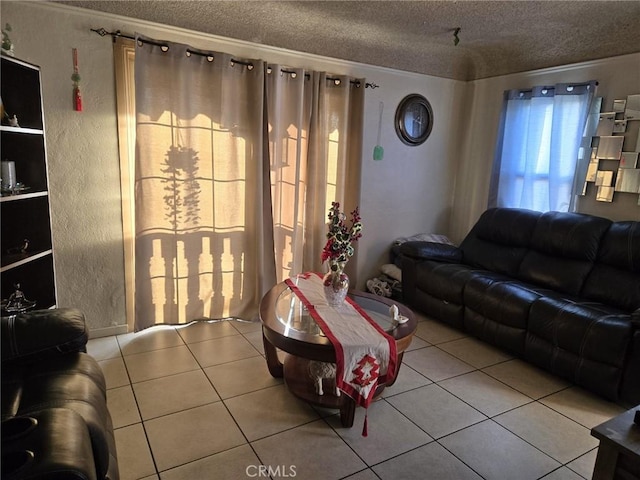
{"x":340,"y":237}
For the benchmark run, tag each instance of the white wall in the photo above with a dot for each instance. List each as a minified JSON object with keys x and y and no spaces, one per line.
{"x":410,"y":191}
{"x":617,"y":77}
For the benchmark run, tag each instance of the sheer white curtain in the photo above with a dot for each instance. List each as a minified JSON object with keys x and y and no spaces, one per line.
{"x":315,"y":139}
{"x":203,"y":229}
{"x":539,"y":146}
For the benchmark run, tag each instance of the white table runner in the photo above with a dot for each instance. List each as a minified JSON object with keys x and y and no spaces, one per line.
{"x":365,"y":354}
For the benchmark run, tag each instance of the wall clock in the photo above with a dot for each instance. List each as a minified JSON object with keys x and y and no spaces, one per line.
{"x":414,"y":119}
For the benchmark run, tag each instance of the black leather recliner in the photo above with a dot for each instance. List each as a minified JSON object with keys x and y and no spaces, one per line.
{"x":561,"y":290}
{"x":55,"y":421}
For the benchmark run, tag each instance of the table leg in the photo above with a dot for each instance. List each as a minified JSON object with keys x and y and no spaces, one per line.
{"x":606,"y":460}
{"x":347,"y":411}
{"x":273,"y":362}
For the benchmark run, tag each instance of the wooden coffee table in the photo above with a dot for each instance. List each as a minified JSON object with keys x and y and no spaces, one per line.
{"x":287,"y":325}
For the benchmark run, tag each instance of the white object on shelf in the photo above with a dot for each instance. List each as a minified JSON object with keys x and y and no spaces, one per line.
{"x":8,"y":174}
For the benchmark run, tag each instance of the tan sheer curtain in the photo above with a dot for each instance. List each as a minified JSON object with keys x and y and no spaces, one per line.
{"x":315,"y":138}
{"x":197,"y":210}
{"x":203,"y":229}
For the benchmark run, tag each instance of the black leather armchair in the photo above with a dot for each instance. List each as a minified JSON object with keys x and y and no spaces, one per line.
{"x":561,"y":290}
{"x":55,"y":422}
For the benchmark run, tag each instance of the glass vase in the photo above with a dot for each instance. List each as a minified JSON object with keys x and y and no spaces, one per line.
{"x":336,"y":283}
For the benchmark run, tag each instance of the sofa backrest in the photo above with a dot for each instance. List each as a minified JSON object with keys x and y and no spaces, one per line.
{"x":615,"y":277}
{"x":562,"y":250}
{"x":499,"y":240}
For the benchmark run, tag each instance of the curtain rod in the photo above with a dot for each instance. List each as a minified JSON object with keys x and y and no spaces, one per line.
{"x":102,"y":32}
{"x":552,"y":87}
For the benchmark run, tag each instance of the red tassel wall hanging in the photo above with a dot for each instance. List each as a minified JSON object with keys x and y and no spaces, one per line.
{"x":77,"y":97}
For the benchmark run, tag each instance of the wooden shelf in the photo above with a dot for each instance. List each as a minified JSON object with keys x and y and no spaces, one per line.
{"x":16,"y":260}
{"x":26,"y":131}
{"x":22,"y":196}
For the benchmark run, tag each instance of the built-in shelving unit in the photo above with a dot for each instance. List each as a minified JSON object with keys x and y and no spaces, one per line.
{"x":26,"y":246}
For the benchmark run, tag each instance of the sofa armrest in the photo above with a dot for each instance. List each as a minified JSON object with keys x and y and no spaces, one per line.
{"x":441,"y":252}
{"x":40,"y":334}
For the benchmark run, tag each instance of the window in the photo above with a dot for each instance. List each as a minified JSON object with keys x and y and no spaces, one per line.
{"x":539,"y":145}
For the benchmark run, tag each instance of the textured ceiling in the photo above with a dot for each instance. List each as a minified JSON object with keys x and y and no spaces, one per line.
{"x":496,"y":37}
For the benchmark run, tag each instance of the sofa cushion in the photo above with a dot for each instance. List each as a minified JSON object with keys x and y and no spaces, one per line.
{"x":436,"y":288}
{"x":615,"y":277}
{"x":499,"y":240}
{"x":564,"y":247}
{"x":444,"y":280}
{"x":586,"y":343}
{"x":496,"y":310}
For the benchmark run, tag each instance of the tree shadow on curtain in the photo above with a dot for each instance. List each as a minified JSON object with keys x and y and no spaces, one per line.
{"x":188,"y":263}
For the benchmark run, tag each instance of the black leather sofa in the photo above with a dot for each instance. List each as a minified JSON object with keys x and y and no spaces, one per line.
{"x":560,"y":290}
{"x":55,"y":421}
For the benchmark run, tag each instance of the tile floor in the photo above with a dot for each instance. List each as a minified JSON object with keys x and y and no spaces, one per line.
{"x":197,"y":402}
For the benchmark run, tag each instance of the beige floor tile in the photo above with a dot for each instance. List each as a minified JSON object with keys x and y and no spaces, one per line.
{"x":192,"y":434}
{"x":244,"y":326}
{"x":416,"y":343}
{"x":222,"y":350}
{"x":255,"y":339}
{"x":496,"y":453}
{"x":153,"y":338}
{"x":431,"y":462}
{"x":563,"y":473}
{"x":485,"y":393}
{"x":134,"y":456}
{"x":122,"y":406}
{"x":165,"y":395}
{"x":408,"y":379}
{"x":526,"y":378}
{"x":363,"y":475}
{"x":474,"y":352}
{"x":236,"y":463}
{"x":103,"y":348}
{"x":240,"y":377}
{"x":160,"y":363}
{"x":314,"y":450}
{"x":436,"y":332}
{"x":583,"y":407}
{"x":115,"y":373}
{"x":269,"y":411}
{"x":389,"y":433}
{"x":584,"y":465}
{"x":435,"y":364}
{"x":435,"y":410}
{"x":195,"y":435}
{"x":206,"y":330}
{"x":554,"y":434}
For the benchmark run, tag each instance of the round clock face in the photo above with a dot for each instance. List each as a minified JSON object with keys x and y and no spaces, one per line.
{"x":414,"y":119}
